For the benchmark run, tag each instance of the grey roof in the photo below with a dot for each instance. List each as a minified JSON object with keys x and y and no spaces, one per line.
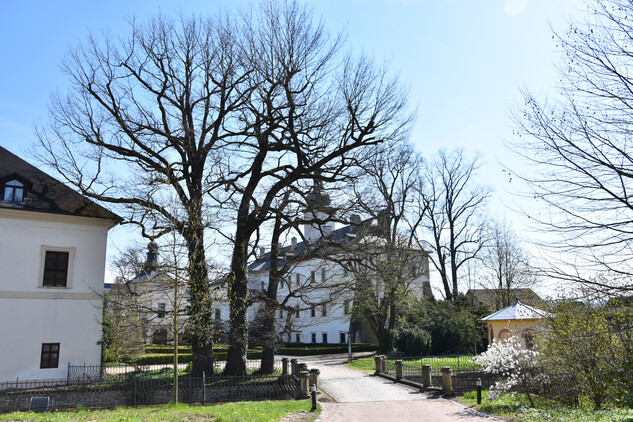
{"x":44,"y":193}
{"x":343,"y":235}
{"x":518,"y":310}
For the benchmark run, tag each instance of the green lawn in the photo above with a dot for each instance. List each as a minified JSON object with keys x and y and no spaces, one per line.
{"x":462,"y":362}
{"x":243,"y":411}
{"x":516,"y":408}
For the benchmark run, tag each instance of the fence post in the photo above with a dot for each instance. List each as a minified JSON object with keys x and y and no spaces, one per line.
{"x":294,"y":367}
{"x":378,"y":364}
{"x":284,"y":366}
{"x":304,"y":377}
{"x":447,"y":382}
{"x":314,"y":377}
{"x":204,"y":387}
{"x":398,"y":369}
{"x":134,"y":390}
{"x":426,"y":376}
{"x":383,"y":363}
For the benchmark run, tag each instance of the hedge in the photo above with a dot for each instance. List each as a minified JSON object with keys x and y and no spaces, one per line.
{"x":166,"y":358}
{"x":300,"y":349}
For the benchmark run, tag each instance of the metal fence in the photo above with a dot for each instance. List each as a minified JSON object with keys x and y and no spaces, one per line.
{"x":88,"y":373}
{"x":464,"y":372}
{"x":93,"y":387}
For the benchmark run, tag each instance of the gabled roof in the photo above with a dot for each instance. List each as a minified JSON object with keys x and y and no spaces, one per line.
{"x":45,"y":194}
{"x":489,"y":296}
{"x":518,"y":310}
{"x":345,"y":234}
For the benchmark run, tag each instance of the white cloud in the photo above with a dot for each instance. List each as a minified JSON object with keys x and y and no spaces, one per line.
{"x":514,"y":7}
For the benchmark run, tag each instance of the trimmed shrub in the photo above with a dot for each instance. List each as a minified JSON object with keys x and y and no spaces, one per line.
{"x":413,"y":341}
{"x":300,"y":349}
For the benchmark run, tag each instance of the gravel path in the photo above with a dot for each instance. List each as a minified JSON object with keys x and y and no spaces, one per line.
{"x":362,"y":397}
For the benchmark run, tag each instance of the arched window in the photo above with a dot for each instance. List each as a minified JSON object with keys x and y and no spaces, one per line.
{"x":528,"y":336}
{"x":13,"y":191}
{"x":504,"y":334}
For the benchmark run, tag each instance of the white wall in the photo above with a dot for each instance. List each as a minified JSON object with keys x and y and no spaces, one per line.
{"x":32,"y":314}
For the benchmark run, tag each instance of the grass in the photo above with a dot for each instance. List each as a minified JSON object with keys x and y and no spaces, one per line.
{"x":261,"y":411}
{"x":515,"y":408}
{"x":462,"y":362}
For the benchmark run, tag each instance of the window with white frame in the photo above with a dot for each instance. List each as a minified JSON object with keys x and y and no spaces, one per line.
{"x":13,"y":191}
{"x":313,"y":338}
{"x":323,"y":337}
{"x":161,"y":310}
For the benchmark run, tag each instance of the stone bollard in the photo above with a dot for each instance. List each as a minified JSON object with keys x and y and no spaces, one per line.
{"x":398,"y":369}
{"x":378,"y":362}
{"x":426,"y":376}
{"x":302,"y":367}
{"x":314,"y":377}
{"x":304,"y":386}
{"x":447,"y":382}
{"x":284,"y":366}
{"x":294,"y":367}
{"x":383,"y":363}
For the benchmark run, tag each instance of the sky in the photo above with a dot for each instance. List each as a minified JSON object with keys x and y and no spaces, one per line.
{"x":464,"y":60}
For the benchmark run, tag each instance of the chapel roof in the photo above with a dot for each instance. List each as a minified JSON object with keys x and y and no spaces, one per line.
{"x":518,"y":310}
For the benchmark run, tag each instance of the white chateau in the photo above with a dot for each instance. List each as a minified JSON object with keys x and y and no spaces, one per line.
{"x":52,"y":255}
{"x":316,"y":296}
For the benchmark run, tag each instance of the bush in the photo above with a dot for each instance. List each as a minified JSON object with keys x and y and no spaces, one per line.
{"x":413,"y":341}
{"x":300,"y":349}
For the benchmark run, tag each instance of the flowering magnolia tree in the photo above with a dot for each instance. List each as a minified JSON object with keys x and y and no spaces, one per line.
{"x":515,"y":364}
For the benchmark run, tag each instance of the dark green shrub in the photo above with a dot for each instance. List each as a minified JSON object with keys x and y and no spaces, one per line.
{"x":413,"y":341}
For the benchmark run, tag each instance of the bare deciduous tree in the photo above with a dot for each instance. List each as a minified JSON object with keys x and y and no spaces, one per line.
{"x":505,"y":264}
{"x":145,"y":120}
{"x":311,"y":116}
{"x":453,"y":216}
{"x":578,"y":145}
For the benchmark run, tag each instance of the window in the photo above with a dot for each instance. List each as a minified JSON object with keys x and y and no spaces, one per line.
{"x":281,"y":313}
{"x":297,"y":279}
{"x":342,"y":337}
{"x":50,"y":355}
{"x":218,"y":313}
{"x":262,"y":286}
{"x":322,"y":274}
{"x":55,"y":269}
{"x":13,"y":191}
{"x":313,"y":312}
{"x":313,"y":337}
{"x":298,"y":337}
{"x":324,"y":336}
{"x":161,"y":310}
{"x":323,"y":310}
{"x":312,"y":276}
{"x":346,"y":307}
{"x":297,"y":314}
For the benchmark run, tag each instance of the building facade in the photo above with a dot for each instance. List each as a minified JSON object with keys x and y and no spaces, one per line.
{"x":52,"y":252}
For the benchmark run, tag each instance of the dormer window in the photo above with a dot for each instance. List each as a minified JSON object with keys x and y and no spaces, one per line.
{"x":13,"y":191}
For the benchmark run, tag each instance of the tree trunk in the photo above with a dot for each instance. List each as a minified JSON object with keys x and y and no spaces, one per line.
{"x":201,"y":304}
{"x":238,"y":291}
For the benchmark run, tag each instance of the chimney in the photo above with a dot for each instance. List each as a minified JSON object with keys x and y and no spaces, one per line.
{"x":294,"y":243}
{"x":355,"y":219}
{"x":262,"y":252}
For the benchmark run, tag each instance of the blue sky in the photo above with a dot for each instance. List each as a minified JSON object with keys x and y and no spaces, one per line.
{"x":464,"y":60}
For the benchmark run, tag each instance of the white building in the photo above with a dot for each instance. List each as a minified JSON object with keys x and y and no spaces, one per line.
{"x":52,"y":255}
{"x":318,"y":292}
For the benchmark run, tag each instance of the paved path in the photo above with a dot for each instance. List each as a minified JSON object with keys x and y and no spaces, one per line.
{"x":362,"y":397}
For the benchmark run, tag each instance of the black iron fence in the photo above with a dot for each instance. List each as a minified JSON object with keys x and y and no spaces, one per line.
{"x":93,"y":386}
{"x":88,"y":373}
